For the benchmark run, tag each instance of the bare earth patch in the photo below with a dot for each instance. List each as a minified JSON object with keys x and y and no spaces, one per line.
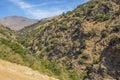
{"x":12,"y":71}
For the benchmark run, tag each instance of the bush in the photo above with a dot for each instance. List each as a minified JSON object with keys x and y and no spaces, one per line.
{"x":52,"y":66}
{"x":91,"y":33}
{"x":78,"y":22}
{"x":114,"y":41}
{"x":83,"y":44}
{"x":84,"y":75}
{"x":116,"y":28}
{"x":101,"y":17}
{"x":104,"y":33}
{"x":85,"y":56}
{"x":75,"y":45}
{"x":117,"y":13}
{"x":89,"y":67}
{"x":77,"y":14}
{"x":63,"y":27}
{"x":96,"y":61}
{"x":81,"y":61}
{"x":117,"y":46}
{"x":74,"y":75}
{"x":17,"y":48}
{"x":59,"y":35}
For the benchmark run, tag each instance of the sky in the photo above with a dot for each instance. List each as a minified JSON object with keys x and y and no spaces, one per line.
{"x":37,"y":9}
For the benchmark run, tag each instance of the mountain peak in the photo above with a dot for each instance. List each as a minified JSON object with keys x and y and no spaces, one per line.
{"x":17,"y":22}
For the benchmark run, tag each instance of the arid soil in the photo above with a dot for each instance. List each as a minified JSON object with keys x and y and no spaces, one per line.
{"x":12,"y":71}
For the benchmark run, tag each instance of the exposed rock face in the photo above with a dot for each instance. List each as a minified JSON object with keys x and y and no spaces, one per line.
{"x":17,"y":22}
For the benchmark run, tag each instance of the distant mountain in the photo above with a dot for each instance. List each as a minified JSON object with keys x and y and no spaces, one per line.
{"x":17,"y":22}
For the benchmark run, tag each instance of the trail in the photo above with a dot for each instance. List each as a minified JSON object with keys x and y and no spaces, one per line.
{"x":12,"y":71}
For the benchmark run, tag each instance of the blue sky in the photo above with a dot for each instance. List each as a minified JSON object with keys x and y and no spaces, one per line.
{"x":37,"y":9}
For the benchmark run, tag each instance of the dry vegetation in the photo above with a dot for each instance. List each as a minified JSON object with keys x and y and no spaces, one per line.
{"x":77,"y":45}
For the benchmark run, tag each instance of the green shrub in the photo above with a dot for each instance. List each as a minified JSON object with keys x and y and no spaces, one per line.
{"x":75,"y":45}
{"x":17,"y":48}
{"x":78,"y":22}
{"x":77,"y":14}
{"x":52,"y":66}
{"x":74,"y":75}
{"x":84,"y":75}
{"x":81,"y":61}
{"x":85,"y":56}
{"x":91,"y":33}
{"x":63,"y":27}
{"x":59,"y":35}
{"x":83,"y":44}
{"x":116,"y":28}
{"x":117,"y":46}
{"x":117,"y":13}
{"x":102,"y":17}
{"x":96,"y":61}
{"x":114,"y":41}
{"x":89,"y":67}
{"x":104,"y":33}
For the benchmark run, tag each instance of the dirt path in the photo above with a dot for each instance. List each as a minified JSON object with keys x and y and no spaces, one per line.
{"x":12,"y":71}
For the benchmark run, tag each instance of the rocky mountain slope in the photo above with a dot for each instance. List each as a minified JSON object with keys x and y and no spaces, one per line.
{"x":17,"y":22}
{"x":85,"y":42}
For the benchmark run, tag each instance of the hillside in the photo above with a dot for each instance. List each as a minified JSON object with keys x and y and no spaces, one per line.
{"x":17,"y":22}
{"x":85,"y":42}
{"x":11,"y":50}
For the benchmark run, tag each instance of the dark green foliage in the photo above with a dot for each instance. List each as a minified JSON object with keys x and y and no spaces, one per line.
{"x":83,"y":44}
{"x":63,"y":27}
{"x":117,"y":46}
{"x":90,"y":34}
{"x":40,"y":45}
{"x":52,"y":66}
{"x":116,"y":28}
{"x":102,"y":17}
{"x":85,"y":56}
{"x":46,"y":43}
{"x":78,"y":22}
{"x":104,"y":33}
{"x":77,"y":14}
{"x":114,"y":41}
{"x":17,"y":48}
{"x":84,"y":75}
{"x":117,"y":13}
{"x":89,"y":67}
{"x":96,"y":61}
{"x":74,"y":75}
{"x":59,"y":35}
{"x":81,"y":61}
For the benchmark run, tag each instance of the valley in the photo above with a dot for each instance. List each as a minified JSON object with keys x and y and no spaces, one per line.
{"x":83,"y":44}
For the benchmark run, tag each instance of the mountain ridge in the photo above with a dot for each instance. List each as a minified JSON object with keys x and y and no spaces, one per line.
{"x":17,"y":22}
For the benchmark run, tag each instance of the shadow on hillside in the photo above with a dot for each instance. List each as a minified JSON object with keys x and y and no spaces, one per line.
{"x":111,"y":60}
